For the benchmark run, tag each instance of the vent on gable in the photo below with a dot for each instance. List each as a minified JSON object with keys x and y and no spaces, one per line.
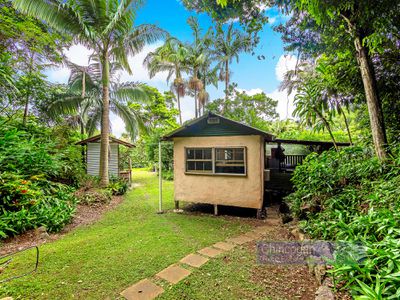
{"x":213,"y":120}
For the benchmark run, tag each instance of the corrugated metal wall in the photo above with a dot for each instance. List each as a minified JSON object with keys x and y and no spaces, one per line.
{"x":93,"y":159}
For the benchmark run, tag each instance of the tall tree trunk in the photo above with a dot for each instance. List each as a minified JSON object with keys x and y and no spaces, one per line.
{"x":105,"y":122}
{"x":327,"y":126}
{"x":195,"y":102}
{"x":28,"y":93}
{"x":226,"y":79}
{"x":82,"y":127}
{"x":372,"y":97}
{"x":179,"y":106}
{"x":83,"y":84}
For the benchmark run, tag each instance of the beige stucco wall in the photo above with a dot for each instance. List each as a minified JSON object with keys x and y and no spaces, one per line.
{"x":242,"y":191}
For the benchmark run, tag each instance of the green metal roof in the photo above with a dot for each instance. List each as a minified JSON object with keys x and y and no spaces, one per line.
{"x":215,"y":125}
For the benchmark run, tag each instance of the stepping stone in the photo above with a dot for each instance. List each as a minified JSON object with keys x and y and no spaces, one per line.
{"x":210,"y":252}
{"x":240,"y":240}
{"x":143,"y":290}
{"x":173,"y":274}
{"x":224,"y":246}
{"x":194,"y":260}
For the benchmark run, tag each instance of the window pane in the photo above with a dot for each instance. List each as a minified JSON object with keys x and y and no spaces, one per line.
{"x":230,"y":169}
{"x":198,"y":154}
{"x":239,"y":154}
{"x":199,"y":166}
{"x":230,"y":161}
{"x":228,"y":153}
{"x":199,"y":160}
{"x":208,"y":165}
{"x":190,"y":166}
{"x":207,"y":153}
{"x":190,"y":153}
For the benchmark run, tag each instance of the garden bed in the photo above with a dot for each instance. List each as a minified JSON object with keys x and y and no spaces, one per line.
{"x":84,"y":215}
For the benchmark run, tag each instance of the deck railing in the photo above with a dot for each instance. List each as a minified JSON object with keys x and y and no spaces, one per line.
{"x":291,"y":161}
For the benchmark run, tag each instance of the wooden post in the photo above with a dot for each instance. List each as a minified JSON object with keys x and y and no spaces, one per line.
{"x":159,"y":179}
{"x":130,"y":170}
{"x":215,"y":210}
{"x":176,"y":205}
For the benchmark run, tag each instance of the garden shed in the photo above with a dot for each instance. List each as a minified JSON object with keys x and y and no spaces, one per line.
{"x":219,"y":161}
{"x":92,"y":158}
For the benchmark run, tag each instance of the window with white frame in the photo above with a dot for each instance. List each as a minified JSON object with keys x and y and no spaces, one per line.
{"x":230,"y":161}
{"x":217,"y":161}
{"x":199,"y":160}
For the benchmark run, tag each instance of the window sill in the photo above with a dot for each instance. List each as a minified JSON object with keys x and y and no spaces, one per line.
{"x":216,"y":174}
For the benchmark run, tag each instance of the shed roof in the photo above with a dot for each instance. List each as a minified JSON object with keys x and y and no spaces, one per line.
{"x":212,"y":124}
{"x":97,"y":138}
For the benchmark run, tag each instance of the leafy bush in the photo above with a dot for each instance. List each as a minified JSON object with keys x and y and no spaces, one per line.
{"x":33,"y":202}
{"x":117,"y":186}
{"x":168,"y":175}
{"x":34,"y":171}
{"x":94,"y":196}
{"x":350,"y":196}
{"x":32,"y":151}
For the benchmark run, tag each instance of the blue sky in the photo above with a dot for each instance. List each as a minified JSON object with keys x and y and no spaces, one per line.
{"x":251,"y":75}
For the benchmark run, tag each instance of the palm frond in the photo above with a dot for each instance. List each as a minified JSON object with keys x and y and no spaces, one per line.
{"x":130,"y":92}
{"x":133,"y":122}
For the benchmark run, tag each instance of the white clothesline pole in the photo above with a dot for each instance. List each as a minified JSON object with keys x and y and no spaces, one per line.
{"x":159,"y":179}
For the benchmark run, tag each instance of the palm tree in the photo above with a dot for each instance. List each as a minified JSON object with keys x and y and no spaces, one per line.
{"x":227,"y":47}
{"x":208,"y":75}
{"x":199,"y":57}
{"x":84,"y":99}
{"x":310,"y":108}
{"x":172,"y":58}
{"x":107,"y":28}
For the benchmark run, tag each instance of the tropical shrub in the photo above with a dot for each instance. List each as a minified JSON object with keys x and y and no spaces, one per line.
{"x":32,"y":150}
{"x":351,"y":196}
{"x":31,"y":202}
{"x":36,"y":163}
{"x":94,"y":196}
{"x":117,"y":186}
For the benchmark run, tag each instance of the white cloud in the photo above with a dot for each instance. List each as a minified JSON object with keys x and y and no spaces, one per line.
{"x":285,"y":102}
{"x":272,"y":20}
{"x":285,"y":63}
{"x":117,"y":125}
{"x":139,"y":72}
{"x":251,"y":92}
{"x":77,"y":54}
{"x":285,"y":105}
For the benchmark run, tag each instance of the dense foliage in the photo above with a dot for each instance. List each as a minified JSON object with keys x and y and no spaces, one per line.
{"x":257,"y":110}
{"x":33,"y":177}
{"x":351,"y":196}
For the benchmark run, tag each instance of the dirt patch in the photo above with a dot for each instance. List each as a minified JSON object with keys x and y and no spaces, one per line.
{"x":279,"y":281}
{"x":85,"y":215}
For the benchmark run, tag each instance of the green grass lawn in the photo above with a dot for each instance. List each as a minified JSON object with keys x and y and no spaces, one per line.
{"x":127,"y":244}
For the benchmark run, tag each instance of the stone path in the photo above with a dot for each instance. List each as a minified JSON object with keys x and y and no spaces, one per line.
{"x":147,"y":290}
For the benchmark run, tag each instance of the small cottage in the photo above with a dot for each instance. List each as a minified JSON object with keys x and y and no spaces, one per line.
{"x":219,"y":161}
{"x":223,"y":162}
{"x":92,"y":158}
